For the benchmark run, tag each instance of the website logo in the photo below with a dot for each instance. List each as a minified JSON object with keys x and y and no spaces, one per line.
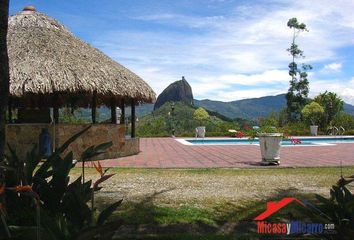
{"x":293,"y":226}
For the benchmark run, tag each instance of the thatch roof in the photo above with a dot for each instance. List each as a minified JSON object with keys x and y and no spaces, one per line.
{"x":46,"y":58}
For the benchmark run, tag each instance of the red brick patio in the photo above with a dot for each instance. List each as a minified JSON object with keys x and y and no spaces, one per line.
{"x":168,"y":153}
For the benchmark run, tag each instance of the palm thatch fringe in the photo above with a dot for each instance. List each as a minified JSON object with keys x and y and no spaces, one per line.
{"x":47,"y":59}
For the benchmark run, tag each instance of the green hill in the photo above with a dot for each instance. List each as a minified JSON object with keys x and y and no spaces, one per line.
{"x":252,"y":108}
{"x":161,"y":122}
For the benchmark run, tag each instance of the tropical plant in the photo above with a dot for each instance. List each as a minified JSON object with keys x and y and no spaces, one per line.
{"x":255,"y":131}
{"x":299,"y":84}
{"x":339,"y":208}
{"x":63,"y":206}
{"x":313,"y":112}
{"x":345,"y":120}
{"x":332,"y":105}
{"x":271,"y":120}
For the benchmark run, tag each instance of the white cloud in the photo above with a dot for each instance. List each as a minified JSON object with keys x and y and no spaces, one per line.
{"x":267,"y":77}
{"x":238,"y":55}
{"x":332,"y":67}
{"x":345,"y":89}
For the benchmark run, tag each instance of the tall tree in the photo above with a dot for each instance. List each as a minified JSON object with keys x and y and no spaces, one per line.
{"x":4,"y":72}
{"x":299,"y":84}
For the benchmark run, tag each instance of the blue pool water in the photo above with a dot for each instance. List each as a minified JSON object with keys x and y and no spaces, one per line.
{"x":286,"y":142}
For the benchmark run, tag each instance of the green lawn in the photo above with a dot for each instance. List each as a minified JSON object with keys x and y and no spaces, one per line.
{"x":206,"y":203}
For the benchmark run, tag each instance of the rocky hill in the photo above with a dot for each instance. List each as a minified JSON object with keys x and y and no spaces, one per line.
{"x":179,"y":91}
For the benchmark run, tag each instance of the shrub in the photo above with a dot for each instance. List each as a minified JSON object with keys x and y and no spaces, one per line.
{"x":345,"y":120}
{"x":339,"y":208}
{"x":201,"y":115}
{"x":42,"y":195}
{"x":296,"y":129}
{"x":313,"y":113}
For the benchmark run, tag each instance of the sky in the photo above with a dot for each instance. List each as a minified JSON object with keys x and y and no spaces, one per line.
{"x":226,"y":49}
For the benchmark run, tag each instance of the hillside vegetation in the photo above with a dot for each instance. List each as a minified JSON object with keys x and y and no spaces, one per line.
{"x":163,"y":120}
{"x":252,"y":108}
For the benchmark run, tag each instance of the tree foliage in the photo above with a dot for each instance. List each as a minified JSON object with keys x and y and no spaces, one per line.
{"x":313,"y":112}
{"x":200,"y":114}
{"x":299,"y":84}
{"x":339,"y":207}
{"x":158,"y":123}
{"x":344,"y":120}
{"x":332,"y":105}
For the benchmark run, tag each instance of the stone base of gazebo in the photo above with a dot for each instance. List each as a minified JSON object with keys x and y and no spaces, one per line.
{"x":22,"y":137}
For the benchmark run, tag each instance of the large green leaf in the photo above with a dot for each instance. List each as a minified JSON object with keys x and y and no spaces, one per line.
{"x":65,"y":145}
{"x":60,"y":178}
{"x":338,"y":194}
{"x":93,"y":151}
{"x":106,"y":213}
{"x":88,"y":153}
{"x":74,"y":206}
{"x":32,"y":161}
{"x":13,"y":156}
{"x":101,"y":148}
{"x":56,"y":155}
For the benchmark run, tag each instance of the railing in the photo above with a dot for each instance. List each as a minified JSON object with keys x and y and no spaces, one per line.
{"x":335,"y":131}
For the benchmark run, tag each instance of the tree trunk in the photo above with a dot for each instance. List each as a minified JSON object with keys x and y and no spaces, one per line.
{"x":4,"y":72}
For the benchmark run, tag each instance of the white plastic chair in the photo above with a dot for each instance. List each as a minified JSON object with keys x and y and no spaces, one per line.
{"x":200,"y":132}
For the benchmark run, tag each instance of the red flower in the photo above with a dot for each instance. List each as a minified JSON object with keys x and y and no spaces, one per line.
{"x":240,"y":134}
{"x":98,"y":168}
{"x":25,"y":190}
{"x":22,"y":189}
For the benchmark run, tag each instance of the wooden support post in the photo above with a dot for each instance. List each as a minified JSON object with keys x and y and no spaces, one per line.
{"x":122,"y":109}
{"x":113,"y":111}
{"x":93,"y":107}
{"x":133,"y":119}
{"x":56,"y":108}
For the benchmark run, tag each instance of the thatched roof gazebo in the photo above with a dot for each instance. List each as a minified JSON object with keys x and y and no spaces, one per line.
{"x":51,"y":68}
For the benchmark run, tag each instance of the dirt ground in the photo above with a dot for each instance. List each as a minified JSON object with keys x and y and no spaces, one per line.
{"x":176,"y":187}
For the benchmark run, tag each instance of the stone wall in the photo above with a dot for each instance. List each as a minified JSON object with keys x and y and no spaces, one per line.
{"x":22,"y":137}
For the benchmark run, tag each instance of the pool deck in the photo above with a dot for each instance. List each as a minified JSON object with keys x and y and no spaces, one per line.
{"x":169,"y":153}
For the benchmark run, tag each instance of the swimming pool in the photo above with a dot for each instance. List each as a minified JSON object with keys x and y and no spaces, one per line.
{"x":305,"y":141}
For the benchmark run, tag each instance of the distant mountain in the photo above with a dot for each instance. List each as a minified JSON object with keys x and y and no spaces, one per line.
{"x":348,"y":108}
{"x":252,"y":108}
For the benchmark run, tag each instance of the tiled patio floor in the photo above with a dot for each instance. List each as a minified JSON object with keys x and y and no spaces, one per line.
{"x":168,"y":153}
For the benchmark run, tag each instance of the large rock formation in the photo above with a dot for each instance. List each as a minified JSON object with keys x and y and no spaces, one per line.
{"x":179,"y":91}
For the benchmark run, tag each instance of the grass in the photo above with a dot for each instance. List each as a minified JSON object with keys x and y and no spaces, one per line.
{"x":204,"y":217}
{"x":233,"y":171}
